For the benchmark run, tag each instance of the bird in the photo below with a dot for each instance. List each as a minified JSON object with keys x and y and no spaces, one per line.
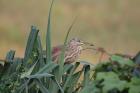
{"x":74,"y":47}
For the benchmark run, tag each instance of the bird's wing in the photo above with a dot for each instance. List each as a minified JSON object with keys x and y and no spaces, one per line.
{"x":56,"y":51}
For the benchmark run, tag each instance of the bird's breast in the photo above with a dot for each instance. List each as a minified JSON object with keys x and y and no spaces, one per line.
{"x":72,"y":54}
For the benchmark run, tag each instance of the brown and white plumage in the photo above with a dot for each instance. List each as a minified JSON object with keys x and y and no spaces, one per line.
{"x":73,"y":50}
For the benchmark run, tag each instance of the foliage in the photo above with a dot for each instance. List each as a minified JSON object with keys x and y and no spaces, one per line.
{"x":36,"y":73}
{"x":119,"y":75}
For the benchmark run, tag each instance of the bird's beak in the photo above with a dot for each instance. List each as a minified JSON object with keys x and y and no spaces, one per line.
{"x":86,"y":43}
{"x":81,"y":43}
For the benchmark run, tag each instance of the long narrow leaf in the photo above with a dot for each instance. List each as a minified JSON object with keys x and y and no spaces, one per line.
{"x":70,"y":75}
{"x":53,"y":85}
{"x":48,"y":36}
{"x":86,"y":75}
{"x":60,"y":88}
{"x":25,"y":74}
{"x":30,"y":44}
{"x":73,"y":82}
{"x":40,"y":75}
{"x":43,"y":89}
{"x":61,"y":61}
{"x":40,"y":50}
{"x":6,"y":71}
{"x":47,"y":68}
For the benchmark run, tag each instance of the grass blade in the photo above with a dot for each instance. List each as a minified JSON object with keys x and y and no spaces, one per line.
{"x":48,"y":37}
{"x":40,"y":75}
{"x":30,"y":44}
{"x":42,"y":88}
{"x":61,"y":61}
{"x":86,"y":79}
{"x":29,"y":72}
{"x":40,"y":50}
{"x":47,"y":68}
{"x":70,"y":75}
{"x":73,"y":82}
{"x":6,"y":71}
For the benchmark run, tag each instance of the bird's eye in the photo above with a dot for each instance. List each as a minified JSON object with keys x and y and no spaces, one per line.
{"x":79,"y":40}
{"x":76,"y":40}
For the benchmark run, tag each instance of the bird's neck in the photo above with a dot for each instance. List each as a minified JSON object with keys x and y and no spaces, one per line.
{"x":74,"y":48}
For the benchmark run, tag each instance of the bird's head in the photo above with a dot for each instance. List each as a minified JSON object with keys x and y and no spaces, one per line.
{"x":78,"y":42}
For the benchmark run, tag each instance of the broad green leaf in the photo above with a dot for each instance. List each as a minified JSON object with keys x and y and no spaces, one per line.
{"x":134,"y":85}
{"x":106,"y":75}
{"x":122,"y":61}
{"x":90,"y":88}
{"x":111,"y":81}
{"x":113,"y":84}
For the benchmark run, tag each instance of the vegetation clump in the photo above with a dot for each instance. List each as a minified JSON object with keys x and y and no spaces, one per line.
{"x":36,"y":73}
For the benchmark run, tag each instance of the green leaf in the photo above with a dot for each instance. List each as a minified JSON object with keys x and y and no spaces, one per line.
{"x":41,"y":62}
{"x":136,"y":59}
{"x":67,"y":67}
{"x":70,"y":75}
{"x":30,"y":44}
{"x":73,"y":81}
{"x":62,"y":56}
{"x":10,"y":55}
{"x":48,"y":37}
{"x":39,"y":75}
{"x":52,"y":82}
{"x":41,"y":86}
{"x":58,"y":84}
{"x":26,"y":74}
{"x":47,"y":68}
{"x":90,"y":88}
{"x":122,"y":61}
{"x":21,"y":88}
{"x":134,"y":85}
{"x":16,"y":65}
{"x":86,"y":79}
{"x":111,"y":81}
{"x":8,"y":66}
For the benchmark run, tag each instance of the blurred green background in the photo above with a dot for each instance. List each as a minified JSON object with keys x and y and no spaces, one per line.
{"x":111,"y":24}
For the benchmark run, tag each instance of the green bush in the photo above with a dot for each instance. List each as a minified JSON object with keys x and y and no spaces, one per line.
{"x":119,"y":75}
